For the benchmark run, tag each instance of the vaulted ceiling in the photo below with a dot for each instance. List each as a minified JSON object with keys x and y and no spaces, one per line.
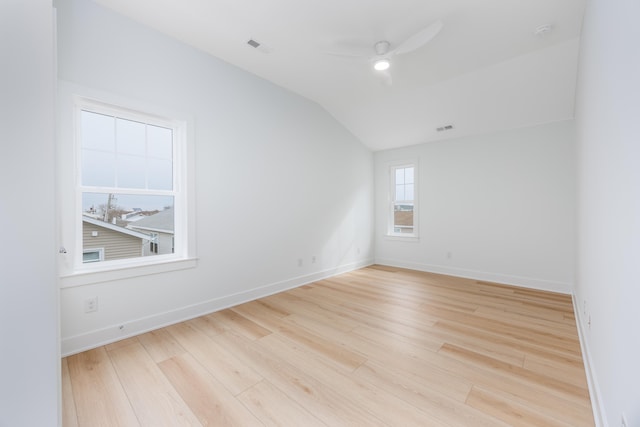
{"x":485,"y":71}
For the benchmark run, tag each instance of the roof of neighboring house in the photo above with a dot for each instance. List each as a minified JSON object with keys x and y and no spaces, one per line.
{"x":109,"y":226}
{"x":162,"y":222}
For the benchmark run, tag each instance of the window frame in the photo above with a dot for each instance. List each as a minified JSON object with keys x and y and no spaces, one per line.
{"x":72,"y":271}
{"x":83,"y":104}
{"x":392,"y":202}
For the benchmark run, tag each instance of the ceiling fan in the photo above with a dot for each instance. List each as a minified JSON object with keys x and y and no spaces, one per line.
{"x":381,"y":59}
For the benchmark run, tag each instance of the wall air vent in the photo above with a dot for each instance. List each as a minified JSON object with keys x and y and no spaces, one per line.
{"x":444,"y":128}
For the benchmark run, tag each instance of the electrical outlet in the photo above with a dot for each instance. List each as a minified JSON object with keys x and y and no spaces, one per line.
{"x":313,"y":259}
{"x":91,"y":304}
{"x":299,"y":262}
{"x":449,"y":255}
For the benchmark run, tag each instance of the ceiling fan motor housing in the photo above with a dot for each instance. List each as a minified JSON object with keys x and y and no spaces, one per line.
{"x":382,"y":47}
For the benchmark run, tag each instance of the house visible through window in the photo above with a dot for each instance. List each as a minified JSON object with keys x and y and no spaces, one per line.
{"x":127,"y":178}
{"x":402,"y":209}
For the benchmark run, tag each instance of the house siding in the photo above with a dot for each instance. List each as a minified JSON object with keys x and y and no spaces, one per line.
{"x":116,"y":245}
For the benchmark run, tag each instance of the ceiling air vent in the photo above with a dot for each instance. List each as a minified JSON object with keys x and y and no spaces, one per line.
{"x":260,"y":47}
{"x":444,"y":128}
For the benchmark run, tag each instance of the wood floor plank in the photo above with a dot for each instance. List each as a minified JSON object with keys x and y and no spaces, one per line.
{"x":209,"y":400}
{"x":383,"y":405}
{"x":402,"y":338}
{"x":160,"y":345}
{"x":379,"y":346}
{"x":241,"y":324}
{"x":535,"y":395}
{"x":69,"y":416}
{"x":224,"y":366}
{"x":209,"y":324}
{"x":98,"y":394}
{"x":569,"y":371}
{"x":275,"y":409}
{"x":453,"y":412}
{"x":554,"y":385}
{"x":508,"y":411}
{"x":348,"y":359}
{"x":530,"y":334}
{"x":536,"y":400}
{"x":490,"y":338}
{"x":154,"y":400}
{"x":263,"y":316}
{"x":299,"y":385}
{"x":505,"y":353}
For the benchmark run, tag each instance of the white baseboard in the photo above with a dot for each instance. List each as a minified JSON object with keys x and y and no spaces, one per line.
{"x":525,"y":282}
{"x":86,"y":341}
{"x":597,"y":406}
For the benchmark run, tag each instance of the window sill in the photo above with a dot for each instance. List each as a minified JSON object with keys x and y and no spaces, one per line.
{"x":88,"y":277}
{"x":399,"y":238}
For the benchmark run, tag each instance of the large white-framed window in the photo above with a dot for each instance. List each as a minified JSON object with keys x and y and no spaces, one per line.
{"x":403,"y":200}
{"x":129,"y":167}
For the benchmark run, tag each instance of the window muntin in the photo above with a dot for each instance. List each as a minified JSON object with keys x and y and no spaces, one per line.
{"x":123,"y":153}
{"x":402,"y":209}
{"x":128,"y":173}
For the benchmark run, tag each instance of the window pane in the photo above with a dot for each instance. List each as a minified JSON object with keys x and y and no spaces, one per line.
{"x":400,"y":192}
{"x":408,"y":175}
{"x":160,"y":174}
{"x":124,"y":225}
{"x":403,"y":218}
{"x":98,"y":168}
{"x":408,"y":192}
{"x":131,"y":137}
{"x":160,"y":141}
{"x":131,"y":171}
{"x":97,"y":131}
{"x":399,"y":176}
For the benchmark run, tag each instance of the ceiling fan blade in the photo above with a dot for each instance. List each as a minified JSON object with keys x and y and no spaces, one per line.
{"x":347,"y":54}
{"x":419,"y":39}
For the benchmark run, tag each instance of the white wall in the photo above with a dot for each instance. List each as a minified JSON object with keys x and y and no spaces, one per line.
{"x":502,"y":204}
{"x":608,"y":250}
{"x":29,"y":350}
{"x":276,"y":178}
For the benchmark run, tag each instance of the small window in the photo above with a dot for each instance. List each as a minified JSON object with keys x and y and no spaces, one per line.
{"x":93,"y":255}
{"x":403,"y":206}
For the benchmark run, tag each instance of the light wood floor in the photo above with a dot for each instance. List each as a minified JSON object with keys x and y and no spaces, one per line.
{"x":378,"y":346}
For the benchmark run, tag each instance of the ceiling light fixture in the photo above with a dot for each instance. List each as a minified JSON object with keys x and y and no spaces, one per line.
{"x":381,"y":64}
